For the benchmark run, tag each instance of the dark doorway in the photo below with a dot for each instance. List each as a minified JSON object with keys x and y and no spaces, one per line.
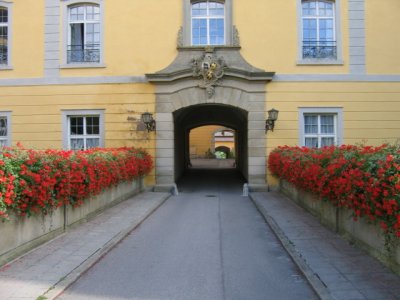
{"x":194,"y":116}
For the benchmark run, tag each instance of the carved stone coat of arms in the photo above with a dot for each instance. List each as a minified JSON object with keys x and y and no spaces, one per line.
{"x":211,"y":69}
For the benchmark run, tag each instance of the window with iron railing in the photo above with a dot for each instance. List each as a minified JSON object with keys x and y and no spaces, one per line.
{"x":3,"y":36}
{"x":319,"y":49}
{"x":84,"y":45}
{"x":319,"y":36}
{"x":87,"y":53}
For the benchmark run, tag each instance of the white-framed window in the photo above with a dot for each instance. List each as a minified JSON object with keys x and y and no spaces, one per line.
{"x":5,"y":34}
{"x":5,"y":129}
{"x":320,"y":127}
{"x":83,"y":33}
{"x":83,"y":129}
{"x":319,"y":32}
{"x":208,"y":22}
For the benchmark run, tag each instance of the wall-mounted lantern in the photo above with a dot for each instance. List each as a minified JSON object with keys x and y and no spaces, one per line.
{"x":147,"y":119}
{"x":272,"y":117}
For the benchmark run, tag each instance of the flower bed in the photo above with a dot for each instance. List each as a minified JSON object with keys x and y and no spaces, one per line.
{"x":364,"y":179}
{"x":38,"y":182}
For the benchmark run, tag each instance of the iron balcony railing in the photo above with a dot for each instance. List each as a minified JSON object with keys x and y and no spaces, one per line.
{"x":3,"y":55}
{"x":89,"y":53}
{"x":319,"y":49}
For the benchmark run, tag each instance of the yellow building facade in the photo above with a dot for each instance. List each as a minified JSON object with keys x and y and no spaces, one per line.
{"x":79,"y":74}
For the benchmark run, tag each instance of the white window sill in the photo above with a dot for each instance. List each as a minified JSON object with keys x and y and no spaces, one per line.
{"x":83,"y":66}
{"x":320,"y":62}
{"x":6,"y":67}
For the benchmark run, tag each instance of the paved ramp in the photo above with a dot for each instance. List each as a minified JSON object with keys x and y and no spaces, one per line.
{"x":207,"y":243}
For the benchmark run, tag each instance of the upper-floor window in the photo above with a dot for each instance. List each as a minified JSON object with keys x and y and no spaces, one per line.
{"x":84,"y":34}
{"x":4,"y":31}
{"x":208,"y":22}
{"x":318,"y":29}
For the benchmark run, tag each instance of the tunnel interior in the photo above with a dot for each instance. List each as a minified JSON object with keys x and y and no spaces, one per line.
{"x":187,"y":118}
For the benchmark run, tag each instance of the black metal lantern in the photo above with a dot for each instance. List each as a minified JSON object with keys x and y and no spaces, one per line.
{"x":147,"y":119}
{"x":272,"y":117}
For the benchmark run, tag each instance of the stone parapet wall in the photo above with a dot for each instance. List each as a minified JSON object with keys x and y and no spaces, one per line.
{"x":369,"y":237}
{"x":20,"y":235}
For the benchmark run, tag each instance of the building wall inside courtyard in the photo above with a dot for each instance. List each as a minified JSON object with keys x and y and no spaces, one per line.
{"x":140,"y":37}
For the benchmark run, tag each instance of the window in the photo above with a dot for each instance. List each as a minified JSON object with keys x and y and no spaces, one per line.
{"x":84,"y":129}
{"x":320,"y":127}
{"x":319,"y":40}
{"x":5,"y":139}
{"x":84,"y":34}
{"x":3,"y":35}
{"x":208,"y":23}
{"x":319,"y":36}
{"x":319,"y":130}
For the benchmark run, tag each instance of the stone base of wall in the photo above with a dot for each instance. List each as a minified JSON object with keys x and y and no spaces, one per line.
{"x":20,"y":235}
{"x":367,"y":236}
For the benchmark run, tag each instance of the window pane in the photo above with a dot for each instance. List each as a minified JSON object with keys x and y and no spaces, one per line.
{"x":92,"y":125}
{"x":3,"y":15}
{"x":199,"y":31}
{"x":77,"y":144}
{"x":309,"y":8}
{"x":327,"y":124}
{"x":77,"y":13}
{"x":92,"y":143}
{"x":77,"y":36}
{"x":3,"y":142}
{"x":309,"y":30}
{"x":310,"y":124}
{"x":326,"y":29}
{"x":216,"y":30}
{"x":3,"y":45}
{"x":3,"y":126}
{"x":311,"y":142}
{"x":199,"y":9}
{"x":325,"y":8}
{"x":216,"y":9}
{"x":92,"y":12}
{"x":76,"y":124}
{"x":327,"y":141}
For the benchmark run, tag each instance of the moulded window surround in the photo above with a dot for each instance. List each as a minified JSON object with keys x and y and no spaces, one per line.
{"x":5,"y":128}
{"x":187,"y":23}
{"x":83,"y":129}
{"x":336,"y":38}
{"x":6,"y":35}
{"x":90,"y":51}
{"x":320,"y":126}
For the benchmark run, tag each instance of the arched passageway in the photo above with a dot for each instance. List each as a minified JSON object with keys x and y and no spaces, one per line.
{"x":194,"y":116}
{"x":187,"y":96}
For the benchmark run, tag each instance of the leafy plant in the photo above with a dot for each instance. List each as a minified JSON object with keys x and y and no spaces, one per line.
{"x":364,"y":179}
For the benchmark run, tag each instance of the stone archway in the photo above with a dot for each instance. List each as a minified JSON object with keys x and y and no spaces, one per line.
{"x":236,"y":84}
{"x":198,"y":115}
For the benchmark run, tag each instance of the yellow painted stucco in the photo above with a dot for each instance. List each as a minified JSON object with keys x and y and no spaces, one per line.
{"x":202,"y":140}
{"x":382,"y":36}
{"x":272,"y":45}
{"x":27,"y":40}
{"x":37,"y":119}
{"x":140,"y":37}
